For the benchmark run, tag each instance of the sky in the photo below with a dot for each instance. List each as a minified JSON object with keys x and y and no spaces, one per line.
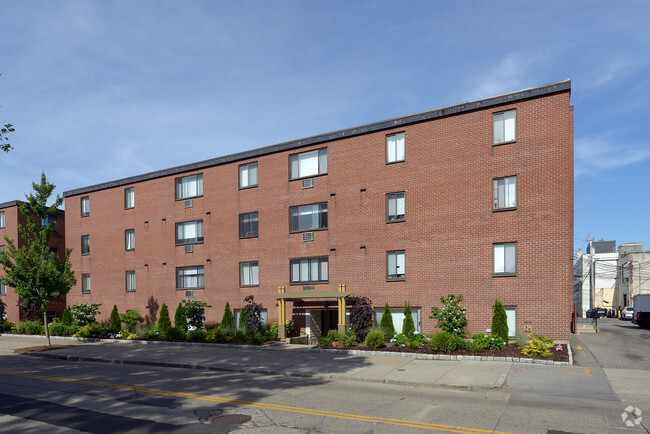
{"x":103,"y":90}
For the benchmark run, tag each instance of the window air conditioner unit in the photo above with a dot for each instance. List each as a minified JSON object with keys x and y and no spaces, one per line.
{"x":308,"y":288}
{"x":189,"y":249}
{"x":189,"y":293}
{"x":307,"y":236}
{"x":189,"y":203}
{"x":308,"y":183}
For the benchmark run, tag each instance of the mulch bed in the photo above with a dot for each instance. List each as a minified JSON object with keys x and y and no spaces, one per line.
{"x":510,"y":350}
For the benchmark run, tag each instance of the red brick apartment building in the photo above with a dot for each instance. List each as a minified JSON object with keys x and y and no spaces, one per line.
{"x":10,"y":218}
{"x":473,"y":199}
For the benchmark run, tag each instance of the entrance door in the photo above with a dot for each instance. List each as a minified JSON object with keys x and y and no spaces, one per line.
{"x":329,"y":320}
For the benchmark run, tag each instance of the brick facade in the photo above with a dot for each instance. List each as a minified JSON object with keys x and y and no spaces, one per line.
{"x":447,"y":236}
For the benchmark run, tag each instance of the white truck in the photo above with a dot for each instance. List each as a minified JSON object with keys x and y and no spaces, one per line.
{"x":641,"y":314}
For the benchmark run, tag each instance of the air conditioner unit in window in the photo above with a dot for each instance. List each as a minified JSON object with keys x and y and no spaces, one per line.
{"x":189,"y":203}
{"x":189,"y":293}
{"x":189,"y":249}
{"x":307,"y":236}
{"x":308,"y":183}
{"x":308,"y":288}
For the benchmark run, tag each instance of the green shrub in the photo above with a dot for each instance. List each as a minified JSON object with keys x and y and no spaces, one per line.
{"x":180,"y":320}
{"x":196,"y":335}
{"x":271,"y":332}
{"x":29,"y":328}
{"x":115,"y":321}
{"x":154,"y":333}
{"x":67,"y":317}
{"x":240,"y":336}
{"x":333,"y":335}
{"x":210,"y":326}
{"x":476,"y":345}
{"x":324,"y":342}
{"x":250,"y":317}
{"x":131,"y":318}
{"x":91,"y":331}
{"x":349,"y":339}
{"x":6,"y":326}
{"x":85,"y":313}
{"x":216,"y":336}
{"x":257,"y":337}
{"x":539,"y":346}
{"x":375,"y":339}
{"x":500,"y":321}
{"x":489,"y":342}
{"x":447,"y":342}
{"x":451,"y":318}
{"x":408,"y":326}
{"x":57,"y":328}
{"x":416,"y":340}
{"x":175,"y":334}
{"x":386,"y":324}
{"x":194,"y":313}
{"x":228,"y":320}
{"x":521,"y":339}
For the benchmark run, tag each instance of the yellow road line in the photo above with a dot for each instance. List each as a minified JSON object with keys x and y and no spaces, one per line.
{"x":278,"y":407}
{"x":585,"y":371}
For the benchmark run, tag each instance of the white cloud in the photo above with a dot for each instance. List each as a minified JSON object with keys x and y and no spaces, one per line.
{"x":510,"y":74}
{"x":593,"y":154}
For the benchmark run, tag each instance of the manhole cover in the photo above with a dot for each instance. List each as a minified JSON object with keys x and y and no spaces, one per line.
{"x":231,"y":419}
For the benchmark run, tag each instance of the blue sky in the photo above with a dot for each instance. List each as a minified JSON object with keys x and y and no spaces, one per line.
{"x":101,"y":90}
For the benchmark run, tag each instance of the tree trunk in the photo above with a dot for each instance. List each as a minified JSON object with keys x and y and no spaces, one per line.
{"x":47,"y":330}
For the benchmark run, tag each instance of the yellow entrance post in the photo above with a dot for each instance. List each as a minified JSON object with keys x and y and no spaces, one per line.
{"x":341,"y":300}
{"x":282,"y":315}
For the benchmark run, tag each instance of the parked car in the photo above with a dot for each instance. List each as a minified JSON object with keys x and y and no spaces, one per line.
{"x":600,"y":311}
{"x":626,"y":314}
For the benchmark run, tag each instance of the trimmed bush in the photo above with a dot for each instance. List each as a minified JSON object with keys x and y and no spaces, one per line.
{"x":386,"y":324}
{"x":196,"y":335}
{"x":228,"y":320}
{"x":164,"y":322}
{"x":29,"y":328}
{"x":408,"y":326}
{"x":154,"y":333}
{"x":216,"y":336}
{"x":56,"y":328}
{"x":446,"y":342}
{"x":93,"y":330}
{"x":175,"y":334}
{"x":115,"y":321}
{"x":324,"y":342}
{"x":500,"y":321}
{"x":333,"y":335}
{"x":67,"y":317}
{"x":180,"y":320}
{"x":349,"y":339}
{"x":375,"y":339}
{"x":539,"y":346}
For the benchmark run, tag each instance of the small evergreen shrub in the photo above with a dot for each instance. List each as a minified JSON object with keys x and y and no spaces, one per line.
{"x":196,"y":335}
{"x":67,"y":317}
{"x":375,"y":339}
{"x":228,"y":320}
{"x":216,"y":336}
{"x":240,"y":336}
{"x":57,"y":328}
{"x":386,"y":323}
{"x":180,"y":320}
{"x":154,"y":333}
{"x":175,"y":334}
{"x":164,"y":322}
{"x":115,"y":321}
{"x":349,"y":339}
{"x":333,"y":335}
{"x":539,"y":346}
{"x":324,"y":342}
{"x":489,"y":342}
{"x":257,"y":338}
{"x":446,"y":342}
{"x":408,"y":326}
{"x":29,"y":328}
{"x":500,"y":321}
{"x":271,"y":332}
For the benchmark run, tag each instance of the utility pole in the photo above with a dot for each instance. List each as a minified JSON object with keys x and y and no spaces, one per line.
{"x":592,"y":275}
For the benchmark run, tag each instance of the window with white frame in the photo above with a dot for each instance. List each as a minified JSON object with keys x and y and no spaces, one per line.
{"x":129,"y":198}
{"x":85,"y":206}
{"x":190,"y":277}
{"x":395,"y":207}
{"x":398,"y":317}
{"x":248,"y":225}
{"x":394,"y":147}
{"x":505,"y":258}
{"x":85,"y":244}
{"x":130,"y":281}
{"x":396,"y":265}
{"x":129,"y":239}
{"x":504,"y":127}
{"x":310,"y":163}
{"x":309,"y":270}
{"x":85,"y":283}
{"x":2,"y":219}
{"x":505,"y":192}
{"x":189,"y":186}
{"x":248,"y":175}
{"x":3,"y":287}
{"x":249,"y":274}
{"x":308,"y":217}
{"x":189,"y":232}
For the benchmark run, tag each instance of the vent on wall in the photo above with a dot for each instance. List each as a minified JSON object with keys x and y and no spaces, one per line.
{"x":307,"y":236}
{"x":189,"y":249}
{"x":308,"y":183}
{"x":308,"y":288}
{"x":189,"y":203}
{"x":189,"y":293}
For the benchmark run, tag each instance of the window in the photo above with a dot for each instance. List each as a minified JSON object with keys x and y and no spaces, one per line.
{"x":504,"y":127}
{"x":3,"y":287}
{"x":189,"y":277}
{"x":309,"y":270}
{"x":49,"y":219}
{"x":505,"y":258}
{"x":129,"y":239}
{"x":85,"y":283}
{"x":395,"y":147}
{"x":85,"y":206}
{"x":85,"y":244}
{"x":308,"y":217}
{"x":395,"y":207}
{"x":248,"y":175}
{"x":505,"y":192}
{"x":130,"y":281}
{"x":53,"y":252}
{"x":2,"y":219}
{"x":309,"y":163}
{"x":264,"y":315}
{"x":189,"y":232}
{"x":396,"y":265}
{"x":2,"y":248}
{"x":249,"y":274}
{"x":398,"y":317}
{"x":129,"y":198}
{"x":189,"y":186}
{"x":248,"y":225}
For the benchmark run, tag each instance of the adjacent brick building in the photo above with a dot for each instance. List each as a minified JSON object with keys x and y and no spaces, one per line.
{"x":10,"y":218}
{"x":473,"y":199}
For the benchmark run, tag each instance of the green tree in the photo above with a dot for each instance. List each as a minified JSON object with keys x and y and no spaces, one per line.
{"x":67,"y":318}
{"x":408,"y":326}
{"x":164,"y":323}
{"x":228,"y":320}
{"x":132,"y":318}
{"x":500,"y":321}
{"x":451,"y":318}
{"x":180,"y":320}
{"x":386,"y":323}
{"x":115,"y":321}
{"x":32,"y":270}
{"x":4,"y":141}
{"x":194,"y":313}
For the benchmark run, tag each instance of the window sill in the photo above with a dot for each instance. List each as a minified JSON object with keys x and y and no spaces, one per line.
{"x":85,"y":254}
{"x":248,"y":187}
{"x":187,"y":198}
{"x":189,"y":243}
{"x":308,"y":230}
{"x":248,"y":236}
{"x":85,"y":292}
{"x":85,"y":215}
{"x":504,"y":274}
{"x":131,"y":207}
{"x":130,"y":290}
{"x":250,"y":286}
{"x":129,"y":250}
{"x":504,"y":143}
{"x":396,"y":279}
{"x":309,"y":283}
{"x":395,"y":221}
{"x":395,"y":162}
{"x":189,"y":289}
{"x":511,"y":208}
{"x":307,"y":177}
